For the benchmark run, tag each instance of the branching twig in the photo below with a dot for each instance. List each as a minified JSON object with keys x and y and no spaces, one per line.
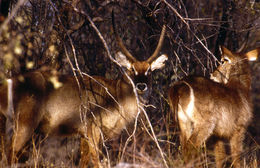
{"x":154,"y":137}
{"x":73,"y":50}
{"x":113,"y":60}
{"x":13,"y":13}
{"x":130,"y":80}
{"x":188,"y":26}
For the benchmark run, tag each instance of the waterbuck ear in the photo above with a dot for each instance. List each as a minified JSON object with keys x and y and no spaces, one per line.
{"x":121,"y":59}
{"x":159,"y":62}
{"x":253,"y":54}
{"x":225,"y":53}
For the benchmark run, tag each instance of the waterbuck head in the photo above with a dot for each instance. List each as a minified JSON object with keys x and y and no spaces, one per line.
{"x":139,"y":71}
{"x":234,"y":68}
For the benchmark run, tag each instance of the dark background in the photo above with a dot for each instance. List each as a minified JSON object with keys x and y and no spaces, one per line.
{"x":41,"y":31}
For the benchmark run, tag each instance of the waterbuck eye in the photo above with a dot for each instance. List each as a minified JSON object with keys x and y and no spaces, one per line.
{"x":225,"y":59}
{"x":222,"y":61}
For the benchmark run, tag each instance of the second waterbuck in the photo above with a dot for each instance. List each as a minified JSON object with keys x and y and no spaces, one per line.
{"x":220,"y":107}
{"x":102,"y":109}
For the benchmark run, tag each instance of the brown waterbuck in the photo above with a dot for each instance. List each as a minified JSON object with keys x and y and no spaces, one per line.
{"x":219,"y":107}
{"x":101,"y":110}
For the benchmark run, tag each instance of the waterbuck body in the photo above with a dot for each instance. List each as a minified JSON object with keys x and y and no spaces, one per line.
{"x":220,"y":107}
{"x":57,"y":105}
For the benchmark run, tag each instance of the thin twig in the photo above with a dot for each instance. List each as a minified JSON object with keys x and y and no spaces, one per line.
{"x":113,"y":60}
{"x":132,"y":83}
{"x":155,"y":138}
{"x":13,"y":13}
{"x":188,"y":27}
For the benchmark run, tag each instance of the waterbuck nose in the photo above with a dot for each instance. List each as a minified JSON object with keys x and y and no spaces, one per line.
{"x":141,"y":87}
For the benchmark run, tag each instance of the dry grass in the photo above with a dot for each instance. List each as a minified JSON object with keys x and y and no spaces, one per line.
{"x":140,"y":152}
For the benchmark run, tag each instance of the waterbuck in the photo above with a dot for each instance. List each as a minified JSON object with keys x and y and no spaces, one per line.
{"x":221,"y":107}
{"x":52,"y":104}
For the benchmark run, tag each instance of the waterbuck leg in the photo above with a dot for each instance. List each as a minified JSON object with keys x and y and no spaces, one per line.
{"x":199,"y":135}
{"x":26,"y":120}
{"x":2,"y":135}
{"x":220,"y":153}
{"x":93,"y":138}
{"x":94,"y":146}
{"x":20,"y":136}
{"x":84,"y":152}
{"x":236,"y":144}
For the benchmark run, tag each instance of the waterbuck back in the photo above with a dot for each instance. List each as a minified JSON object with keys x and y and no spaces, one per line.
{"x":220,"y":107}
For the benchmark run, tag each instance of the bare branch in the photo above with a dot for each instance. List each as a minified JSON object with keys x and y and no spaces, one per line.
{"x":188,"y":26}
{"x":13,"y":13}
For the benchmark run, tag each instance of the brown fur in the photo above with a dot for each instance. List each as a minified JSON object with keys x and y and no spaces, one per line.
{"x":64,"y":111}
{"x":99,"y":108}
{"x":221,"y":108}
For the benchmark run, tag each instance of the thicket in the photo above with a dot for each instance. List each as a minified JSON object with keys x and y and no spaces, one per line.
{"x":37,"y":33}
